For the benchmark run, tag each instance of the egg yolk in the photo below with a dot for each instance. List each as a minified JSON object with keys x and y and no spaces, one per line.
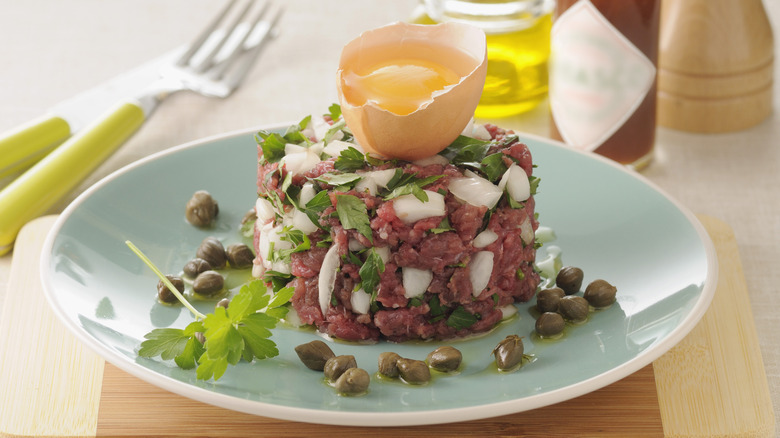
{"x":398,"y":85}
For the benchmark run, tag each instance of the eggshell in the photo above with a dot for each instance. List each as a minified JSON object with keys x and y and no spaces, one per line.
{"x":435,"y":123}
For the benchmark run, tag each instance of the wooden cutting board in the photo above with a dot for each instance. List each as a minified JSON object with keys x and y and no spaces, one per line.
{"x":711,"y":384}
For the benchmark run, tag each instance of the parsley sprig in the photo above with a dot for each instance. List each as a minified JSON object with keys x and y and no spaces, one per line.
{"x":240,"y":331}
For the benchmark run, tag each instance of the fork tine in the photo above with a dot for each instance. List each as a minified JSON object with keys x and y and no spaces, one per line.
{"x":200,"y":39}
{"x":238,"y":74}
{"x":218,"y":70}
{"x":208,"y":60}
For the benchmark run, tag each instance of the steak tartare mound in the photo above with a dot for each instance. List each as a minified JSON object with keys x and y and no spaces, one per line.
{"x":437,"y":248}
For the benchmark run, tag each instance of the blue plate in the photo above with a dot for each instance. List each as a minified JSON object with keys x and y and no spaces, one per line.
{"x":609,"y":221}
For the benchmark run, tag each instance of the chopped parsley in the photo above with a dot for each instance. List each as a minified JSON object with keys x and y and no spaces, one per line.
{"x":353,"y":215}
{"x":460,"y":318}
{"x":349,"y":160}
{"x":371,"y":272}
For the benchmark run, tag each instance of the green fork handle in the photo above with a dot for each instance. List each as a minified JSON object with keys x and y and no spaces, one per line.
{"x":23,"y":146}
{"x":51,"y":178}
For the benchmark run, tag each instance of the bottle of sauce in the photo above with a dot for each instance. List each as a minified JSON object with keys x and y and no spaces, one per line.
{"x":603,"y":62}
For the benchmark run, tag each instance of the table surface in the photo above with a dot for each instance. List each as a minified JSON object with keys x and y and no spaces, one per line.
{"x":54,"y":50}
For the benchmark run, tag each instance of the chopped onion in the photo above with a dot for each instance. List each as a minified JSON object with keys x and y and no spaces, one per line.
{"x":527,"y":231}
{"x":301,"y":221}
{"x":300,"y":162}
{"x":475,"y":190}
{"x":382,"y":177}
{"x":545,"y":234}
{"x":336,"y":147}
{"x":360,"y":301}
{"x":480,"y":268}
{"x":485,"y":238}
{"x":366,"y":184}
{"x":433,"y":159}
{"x":416,"y":281}
{"x":291,"y":148}
{"x":369,"y":181}
{"x":515,"y":180}
{"x":264,"y":210}
{"x":507,"y":311}
{"x":270,"y":234}
{"x":307,"y":193}
{"x":410,"y":209}
{"x":319,"y":126}
{"x":355,"y":245}
{"x":327,"y":280}
{"x":476,"y":130}
{"x":383,"y":252}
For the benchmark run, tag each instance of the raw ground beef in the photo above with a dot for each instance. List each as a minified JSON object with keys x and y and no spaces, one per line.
{"x":446,"y":254}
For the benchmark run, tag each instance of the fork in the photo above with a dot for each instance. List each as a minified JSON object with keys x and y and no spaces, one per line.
{"x":214,"y":65}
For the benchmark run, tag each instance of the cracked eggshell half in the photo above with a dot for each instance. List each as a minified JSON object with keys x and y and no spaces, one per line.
{"x":433,"y":121}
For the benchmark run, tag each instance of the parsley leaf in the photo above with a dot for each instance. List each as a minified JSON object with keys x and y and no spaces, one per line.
{"x":339,"y":179}
{"x":349,"y":160}
{"x":413,"y":186}
{"x":272,"y":145}
{"x":335,"y":111}
{"x":443,"y":227}
{"x":370,"y":273}
{"x":334,"y":128}
{"x":297,"y":238}
{"x":353,"y":215}
{"x":493,"y":166}
{"x":240,"y":331}
{"x":466,"y":151}
{"x":460,"y":318}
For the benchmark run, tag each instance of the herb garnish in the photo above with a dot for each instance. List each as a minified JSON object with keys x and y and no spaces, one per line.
{"x":241,"y":331}
{"x":353,"y":215}
{"x":349,"y":160}
{"x":460,"y":318}
{"x":370,"y":273}
{"x":405,"y":184}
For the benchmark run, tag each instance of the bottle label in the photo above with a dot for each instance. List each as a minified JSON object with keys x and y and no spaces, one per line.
{"x":598,"y":78}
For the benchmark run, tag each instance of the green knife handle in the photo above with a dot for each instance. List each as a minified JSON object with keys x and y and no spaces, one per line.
{"x":38,"y":189}
{"x":22,"y":147}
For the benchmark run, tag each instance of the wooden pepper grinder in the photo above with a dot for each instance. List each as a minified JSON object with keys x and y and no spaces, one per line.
{"x":715,"y":65}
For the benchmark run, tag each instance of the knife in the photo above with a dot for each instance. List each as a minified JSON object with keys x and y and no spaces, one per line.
{"x":23,"y":146}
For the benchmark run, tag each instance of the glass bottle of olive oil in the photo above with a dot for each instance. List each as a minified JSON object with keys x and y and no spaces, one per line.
{"x":518,"y":39}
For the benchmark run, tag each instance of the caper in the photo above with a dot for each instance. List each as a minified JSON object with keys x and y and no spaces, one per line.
{"x":196,"y":266}
{"x":201,"y":209}
{"x":353,"y":381}
{"x":509,"y":352}
{"x":212,"y":251}
{"x":573,"y":308}
{"x":388,"y":364}
{"x":164,"y":294}
{"x":547,"y":299}
{"x":600,"y":294}
{"x":549,"y":324}
{"x":314,"y":354}
{"x":335,"y":366}
{"x":413,"y":371}
{"x":569,"y":279}
{"x":239,"y":256}
{"x":208,"y":283}
{"x":445,"y":359}
{"x":224,"y":302}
